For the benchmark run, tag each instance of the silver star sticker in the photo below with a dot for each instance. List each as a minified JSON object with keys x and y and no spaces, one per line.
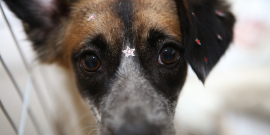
{"x":129,"y":52}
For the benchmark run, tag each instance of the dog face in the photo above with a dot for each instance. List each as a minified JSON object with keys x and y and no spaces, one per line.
{"x":134,"y":94}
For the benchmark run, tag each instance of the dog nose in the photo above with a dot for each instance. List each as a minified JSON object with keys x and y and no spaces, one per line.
{"x":138,"y":129}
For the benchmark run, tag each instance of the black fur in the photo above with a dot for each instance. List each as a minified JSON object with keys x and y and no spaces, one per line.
{"x":205,"y":26}
{"x":124,"y":10}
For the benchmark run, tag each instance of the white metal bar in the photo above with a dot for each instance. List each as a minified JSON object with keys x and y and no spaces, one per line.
{"x":8,"y":117}
{"x":14,"y":38}
{"x":26,"y":99}
{"x":20,"y":95}
{"x":28,"y":68}
{"x":11,"y":77}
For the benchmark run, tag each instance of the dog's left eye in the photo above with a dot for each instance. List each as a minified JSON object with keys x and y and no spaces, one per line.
{"x":90,"y":63}
{"x":168,"y":55}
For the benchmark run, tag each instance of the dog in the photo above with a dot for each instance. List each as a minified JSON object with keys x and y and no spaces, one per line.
{"x":129,"y":57}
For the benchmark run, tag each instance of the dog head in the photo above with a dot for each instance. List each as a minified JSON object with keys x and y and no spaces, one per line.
{"x":134,"y":94}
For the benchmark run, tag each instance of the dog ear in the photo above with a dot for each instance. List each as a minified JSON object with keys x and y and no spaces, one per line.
{"x":42,"y":20}
{"x":207,"y":27}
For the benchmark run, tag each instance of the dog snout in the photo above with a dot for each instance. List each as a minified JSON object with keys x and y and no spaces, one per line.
{"x":138,"y":129}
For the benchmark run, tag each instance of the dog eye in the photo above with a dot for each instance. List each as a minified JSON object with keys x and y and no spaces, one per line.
{"x":168,"y":55}
{"x":90,"y":63}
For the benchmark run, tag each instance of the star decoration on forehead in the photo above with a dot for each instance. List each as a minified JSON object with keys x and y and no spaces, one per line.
{"x":129,"y":52}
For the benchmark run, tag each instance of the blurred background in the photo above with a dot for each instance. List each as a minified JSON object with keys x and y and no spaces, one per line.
{"x":235,"y":99}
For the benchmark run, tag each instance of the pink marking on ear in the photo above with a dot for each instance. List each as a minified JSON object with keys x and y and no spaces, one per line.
{"x":220,"y":13}
{"x":219,"y":37}
{"x":205,"y":59}
{"x":198,"y":41}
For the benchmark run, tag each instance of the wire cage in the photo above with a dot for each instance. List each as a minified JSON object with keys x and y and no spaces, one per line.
{"x":25,"y":109}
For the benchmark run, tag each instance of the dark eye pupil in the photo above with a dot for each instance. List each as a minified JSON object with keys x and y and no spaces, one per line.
{"x":168,"y":55}
{"x":91,"y":62}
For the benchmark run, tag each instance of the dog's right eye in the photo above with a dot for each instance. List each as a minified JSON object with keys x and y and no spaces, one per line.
{"x":90,"y":63}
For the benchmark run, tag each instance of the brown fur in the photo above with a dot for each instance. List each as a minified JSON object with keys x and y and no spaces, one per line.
{"x":158,"y":18}
{"x":78,"y":30}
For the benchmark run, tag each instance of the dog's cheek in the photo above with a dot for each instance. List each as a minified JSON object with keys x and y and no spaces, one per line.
{"x":178,"y":77}
{"x":170,"y":82}
{"x":91,"y":87}
{"x":174,"y":83}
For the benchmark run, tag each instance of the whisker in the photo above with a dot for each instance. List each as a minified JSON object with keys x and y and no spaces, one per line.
{"x":87,"y":127}
{"x":81,"y":118}
{"x":189,"y":130}
{"x":92,"y":131}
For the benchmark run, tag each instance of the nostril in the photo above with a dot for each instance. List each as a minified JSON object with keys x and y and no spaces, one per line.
{"x":138,"y":129}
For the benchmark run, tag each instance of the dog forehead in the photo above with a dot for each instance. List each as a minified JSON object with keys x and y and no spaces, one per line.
{"x":100,"y":17}
{"x":157,"y":14}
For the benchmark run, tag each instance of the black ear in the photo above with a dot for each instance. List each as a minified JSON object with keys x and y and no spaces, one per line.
{"x":41,"y":19}
{"x":207,"y":27}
